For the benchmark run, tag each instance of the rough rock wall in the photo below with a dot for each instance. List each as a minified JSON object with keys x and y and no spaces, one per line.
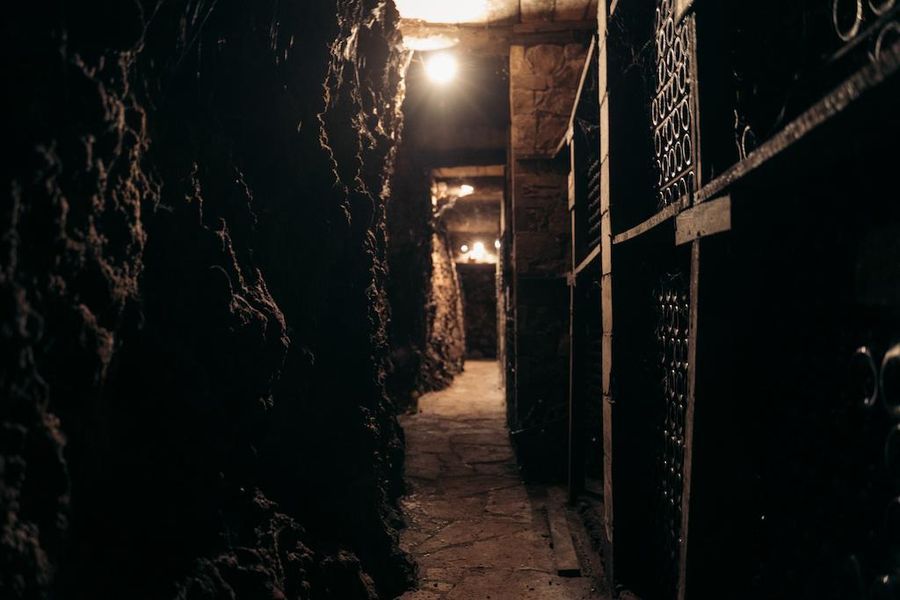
{"x":479,"y":293}
{"x":409,"y":216}
{"x":193,"y":336}
{"x":445,"y":349}
{"x":427,"y":336}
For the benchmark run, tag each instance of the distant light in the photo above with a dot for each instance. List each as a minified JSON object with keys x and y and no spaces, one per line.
{"x":466,"y":190}
{"x":433,"y":200}
{"x":443,"y":11}
{"x":478,"y":251}
{"x":441,"y":68}
{"x":464,"y":248}
{"x":497,"y":244}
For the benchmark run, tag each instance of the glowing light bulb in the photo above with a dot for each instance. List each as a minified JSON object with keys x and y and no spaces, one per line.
{"x":464,"y":248}
{"x":497,"y":244}
{"x":466,"y":190}
{"x":478,"y":251}
{"x":441,"y":68}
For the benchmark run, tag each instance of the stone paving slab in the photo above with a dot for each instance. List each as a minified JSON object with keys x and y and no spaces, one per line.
{"x":471,"y":526}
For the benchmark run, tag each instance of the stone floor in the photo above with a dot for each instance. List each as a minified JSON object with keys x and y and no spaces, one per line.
{"x":472,"y":528}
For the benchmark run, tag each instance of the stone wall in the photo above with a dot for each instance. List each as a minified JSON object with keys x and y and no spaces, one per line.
{"x":479,"y":293}
{"x":541,"y":304}
{"x":445,"y":350}
{"x":193,"y":310}
{"x":543,"y":82}
{"x":427,"y":338}
{"x":541,"y":219}
{"x":409,"y":215}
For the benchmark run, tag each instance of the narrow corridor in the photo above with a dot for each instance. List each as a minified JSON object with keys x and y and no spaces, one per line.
{"x":471,"y":526}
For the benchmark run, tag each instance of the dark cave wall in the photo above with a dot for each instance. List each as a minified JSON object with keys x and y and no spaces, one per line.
{"x":409,"y":229}
{"x":445,"y":348}
{"x":479,"y":292}
{"x":426,"y":331}
{"x":194,"y":315}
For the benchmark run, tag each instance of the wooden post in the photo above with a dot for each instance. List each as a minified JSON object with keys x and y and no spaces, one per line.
{"x":606,"y":293}
{"x":692,"y":332}
{"x":573,"y":416}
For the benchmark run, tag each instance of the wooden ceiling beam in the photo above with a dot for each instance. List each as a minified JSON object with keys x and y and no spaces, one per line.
{"x":490,"y":40}
{"x":469,"y":171}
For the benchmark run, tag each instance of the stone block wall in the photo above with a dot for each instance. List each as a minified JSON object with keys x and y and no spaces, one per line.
{"x":537,"y":405}
{"x":543,"y":82}
{"x":541,"y":218}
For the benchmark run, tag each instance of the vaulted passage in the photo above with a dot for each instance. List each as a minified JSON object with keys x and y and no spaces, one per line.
{"x":450,"y":300}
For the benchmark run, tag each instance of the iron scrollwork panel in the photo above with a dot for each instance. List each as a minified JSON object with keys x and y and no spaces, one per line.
{"x":673,"y":325}
{"x":782,"y":69}
{"x":673,"y":109}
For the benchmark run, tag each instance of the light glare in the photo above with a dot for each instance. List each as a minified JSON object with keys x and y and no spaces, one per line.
{"x":429,"y":43}
{"x":478,"y":251}
{"x":441,"y":68}
{"x":466,"y":190}
{"x":443,"y":11}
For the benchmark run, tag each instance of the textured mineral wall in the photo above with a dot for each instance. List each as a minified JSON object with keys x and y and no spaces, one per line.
{"x":193,"y":341}
{"x":409,"y":215}
{"x":479,"y":293}
{"x":445,"y":349}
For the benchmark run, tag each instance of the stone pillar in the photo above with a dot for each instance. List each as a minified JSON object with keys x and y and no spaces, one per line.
{"x":543,"y":84}
{"x":543,"y":81}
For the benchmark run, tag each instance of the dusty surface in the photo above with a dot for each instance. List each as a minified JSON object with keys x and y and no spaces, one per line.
{"x":472,"y":529}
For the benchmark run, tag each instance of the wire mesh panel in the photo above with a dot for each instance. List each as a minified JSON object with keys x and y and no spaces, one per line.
{"x":775,"y":59}
{"x":796,"y":494}
{"x":593,"y":202}
{"x":632,"y":87}
{"x":587,"y":164}
{"x":673,"y":310}
{"x":656,"y":100}
{"x":794,"y":457}
{"x":673,"y":108}
{"x":650,"y":368}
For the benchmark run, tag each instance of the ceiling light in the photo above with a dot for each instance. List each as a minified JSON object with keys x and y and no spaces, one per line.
{"x":464,"y":248}
{"x":466,"y":190}
{"x":497,"y":244}
{"x":441,"y":68}
{"x":478,"y":251}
